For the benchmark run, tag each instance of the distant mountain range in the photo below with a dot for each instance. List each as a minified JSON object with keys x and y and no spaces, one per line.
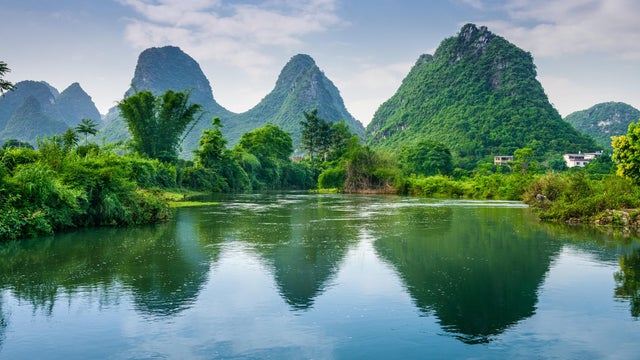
{"x":602,"y":121}
{"x":301,"y":86}
{"x":36,"y":109}
{"x":478,"y":94}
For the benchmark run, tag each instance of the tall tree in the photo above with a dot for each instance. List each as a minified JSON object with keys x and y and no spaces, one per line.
{"x":323,"y":138}
{"x":272,"y":147}
{"x":86,"y":127}
{"x":626,"y":152}
{"x":313,"y":132}
{"x":157,"y":124}
{"x":4,"y":85}
{"x":212,"y":146}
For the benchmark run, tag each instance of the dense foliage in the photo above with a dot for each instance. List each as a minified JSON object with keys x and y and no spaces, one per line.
{"x":157,"y":124}
{"x":477,"y":94}
{"x":627,"y":153}
{"x":62,"y":186}
{"x":4,"y":84}
{"x":260,"y":161}
{"x":602,"y":121}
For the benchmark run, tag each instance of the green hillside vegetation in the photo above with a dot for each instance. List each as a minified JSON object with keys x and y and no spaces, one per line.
{"x":478,"y":95}
{"x":301,"y":87}
{"x":602,"y":121}
{"x":30,"y":121}
{"x":159,"y":70}
{"x":36,"y":109}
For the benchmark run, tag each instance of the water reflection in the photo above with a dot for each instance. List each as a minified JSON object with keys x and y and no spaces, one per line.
{"x":296,"y":275}
{"x":302,"y":239}
{"x":158,"y":264}
{"x":628,"y":281}
{"x":477,"y":270}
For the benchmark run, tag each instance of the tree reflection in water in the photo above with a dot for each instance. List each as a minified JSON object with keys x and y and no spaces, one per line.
{"x":628,"y":281}
{"x":477,"y":270}
{"x":157,"y":264}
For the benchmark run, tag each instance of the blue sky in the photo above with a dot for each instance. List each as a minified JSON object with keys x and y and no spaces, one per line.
{"x":586,"y":51}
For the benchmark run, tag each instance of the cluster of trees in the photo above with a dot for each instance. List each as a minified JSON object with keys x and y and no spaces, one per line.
{"x":65,"y":184}
{"x":62,"y":185}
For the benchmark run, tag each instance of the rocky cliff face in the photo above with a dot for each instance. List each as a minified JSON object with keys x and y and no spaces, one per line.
{"x":602,"y":121}
{"x":75,"y":104}
{"x":479,"y":95}
{"x":169,"y":68}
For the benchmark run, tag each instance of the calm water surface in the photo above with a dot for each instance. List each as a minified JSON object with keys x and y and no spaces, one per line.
{"x":324,"y":276}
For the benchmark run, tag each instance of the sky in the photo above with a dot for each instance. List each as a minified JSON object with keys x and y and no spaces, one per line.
{"x":585,"y":51}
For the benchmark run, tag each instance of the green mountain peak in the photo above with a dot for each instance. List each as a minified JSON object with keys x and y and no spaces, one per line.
{"x":478,"y":94}
{"x":604,"y":120}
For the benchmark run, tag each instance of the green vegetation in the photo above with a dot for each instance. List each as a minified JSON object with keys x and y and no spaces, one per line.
{"x":157,"y":124}
{"x":55,"y":187}
{"x":87,"y":127}
{"x":602,"y":121}
{"x":478,"y":95}
{"x":62,"y":184}
{"x":627,"y":153}
{"x":4,"y":84}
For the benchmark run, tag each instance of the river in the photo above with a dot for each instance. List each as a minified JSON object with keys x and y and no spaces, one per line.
{"x":306,"y":276}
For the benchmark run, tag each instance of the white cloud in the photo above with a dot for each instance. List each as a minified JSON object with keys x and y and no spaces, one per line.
{"x":366,"y":88}
{"x":238,"y":34}
{"x":552,"y":28}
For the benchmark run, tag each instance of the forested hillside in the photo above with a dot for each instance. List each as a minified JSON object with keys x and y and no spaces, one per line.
{"x":36,"y":109}
{"x":301,"y":86}
{"x":602,"y":121}
{"x":478,"y":94}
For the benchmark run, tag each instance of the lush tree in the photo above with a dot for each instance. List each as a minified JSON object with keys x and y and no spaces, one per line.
{"x":339,"y":135}
{"x":426,"y":158}
{"x":271,"y":147}
{"x":87,"y":127}
{"x":216,"y":168}
{"x":4,"y":85}
{"x":69,"y":139}
{"x":15,"y":143}
{"x":268,"y":141}
{"x":557,"y":163}
{"x":626,"y":152}
{"x":602,"y":165}
{"x":157,"y":124}
{"x":524,"y":159}
{"x":323,"y":138}
{"x":314,"y":133}
{"x":212,"y":146}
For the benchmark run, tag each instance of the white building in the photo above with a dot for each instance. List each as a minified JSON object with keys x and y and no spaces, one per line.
{"x":580,"y":159}
{"x":502,"y":160}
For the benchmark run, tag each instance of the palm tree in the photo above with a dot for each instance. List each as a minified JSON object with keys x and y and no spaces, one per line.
{"x":87,"y":127}
{"x":4,"y":85}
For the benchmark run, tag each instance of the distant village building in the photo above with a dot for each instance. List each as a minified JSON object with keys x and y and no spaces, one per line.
{"x":502,"y":160}
{"x":580,"y":159}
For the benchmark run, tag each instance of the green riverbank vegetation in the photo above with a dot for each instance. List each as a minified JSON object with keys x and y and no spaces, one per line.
{"x":68,"y":181}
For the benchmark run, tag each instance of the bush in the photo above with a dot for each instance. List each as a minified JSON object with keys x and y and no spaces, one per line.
{"x":332,"y":178}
